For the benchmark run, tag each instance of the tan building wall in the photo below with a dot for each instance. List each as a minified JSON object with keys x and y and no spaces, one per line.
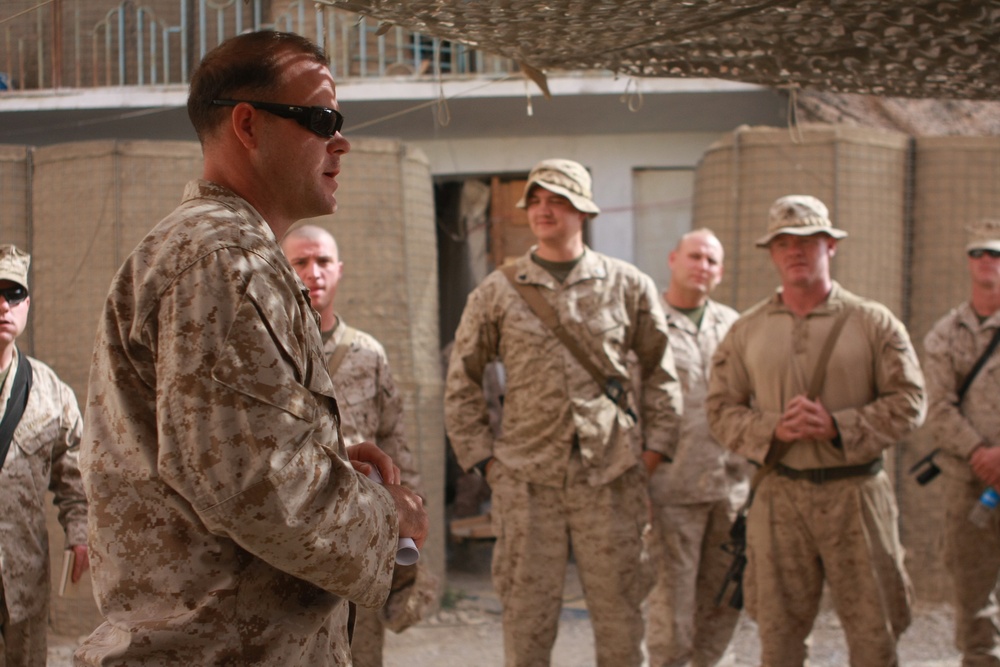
{"x":81,"y":208}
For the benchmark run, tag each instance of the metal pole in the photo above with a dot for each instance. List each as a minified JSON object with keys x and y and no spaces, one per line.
{"x":57,"y":43}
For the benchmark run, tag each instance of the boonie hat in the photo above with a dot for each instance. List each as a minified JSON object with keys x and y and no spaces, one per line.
{"x":14,"y":265}
{"x":563,"y":177}
{"x":800,"y":215}
{"x":984,"y":235}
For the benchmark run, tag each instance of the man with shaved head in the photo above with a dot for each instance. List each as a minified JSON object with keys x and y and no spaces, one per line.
{"x":698,"y":490}
{"x":371,"y":407}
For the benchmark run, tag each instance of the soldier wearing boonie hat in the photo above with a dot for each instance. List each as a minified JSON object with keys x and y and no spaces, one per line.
{"x":563,"y":469}
{"x":14,"y":264}
{"x":966,"y":425}
{"x":827,"y":514}
{"x":41,"y":453}
{"x":563,"y":177}
{"x":799,"y":215}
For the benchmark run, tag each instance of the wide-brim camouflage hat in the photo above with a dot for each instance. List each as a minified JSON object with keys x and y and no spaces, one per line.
{"x":14,"y":264}
{"x":799,"y":215}
{"x":984,"y":235}
{"x":563,"y":177}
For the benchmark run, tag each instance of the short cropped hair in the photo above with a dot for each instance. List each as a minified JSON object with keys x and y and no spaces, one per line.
{"x":243,"y":67}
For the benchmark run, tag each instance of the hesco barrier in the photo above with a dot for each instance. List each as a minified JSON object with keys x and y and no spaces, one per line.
{"x":905,"y":204}
{"x":81,"y":208}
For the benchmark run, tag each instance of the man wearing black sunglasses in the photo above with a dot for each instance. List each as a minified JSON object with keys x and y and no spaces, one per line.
{"x":966,"y":425}
{"x":230,"y":523}
{"x":40,"y":430}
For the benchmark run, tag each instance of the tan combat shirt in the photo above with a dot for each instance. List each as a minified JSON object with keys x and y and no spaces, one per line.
{"x":371,"y":406}
{"x":226,"y":525}
{"x":953,"y":345}
{"x":702,"y":470}
{"x":551,"y":401}
{"x":874,"y":388}
{"x":42,"y":456}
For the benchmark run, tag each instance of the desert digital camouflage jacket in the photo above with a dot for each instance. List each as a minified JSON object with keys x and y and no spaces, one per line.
{"x":226,"y":525}
{"x":611,"y":308}
{"x":371,"y":408}
{"x":42,"y":456}
{"x":874,"y":388}
{"x":702,"y":470}
{"x":952,"y":347}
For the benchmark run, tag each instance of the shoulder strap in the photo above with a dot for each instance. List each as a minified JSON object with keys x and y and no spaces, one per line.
{"x":612,"y":386}
{"x":339,"y":352}
{"x":779,"y":448}
{"x":15,"y":406}
{"x":978,"y":366}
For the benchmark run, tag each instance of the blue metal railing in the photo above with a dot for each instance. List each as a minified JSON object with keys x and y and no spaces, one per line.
{"x":157,"y":42}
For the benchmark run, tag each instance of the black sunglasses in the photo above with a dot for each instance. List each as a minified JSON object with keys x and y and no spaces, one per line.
{"x":14,"y":294}
{"x":319,"y":120}
{"x":976,"y":253}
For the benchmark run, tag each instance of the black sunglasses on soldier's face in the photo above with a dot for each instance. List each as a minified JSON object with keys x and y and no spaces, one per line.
{"x":976,"y":253}
{"x":13,"y":295}
{"x":319,"y":120}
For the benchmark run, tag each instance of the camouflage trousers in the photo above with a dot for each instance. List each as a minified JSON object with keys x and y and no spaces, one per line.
{"x":368,"y":639}
{"x":535,"y":526}
{"x":844,"y":532}
{"x":25,"y":643}
{"x":684,"y":626}
{"x":972,"y":555}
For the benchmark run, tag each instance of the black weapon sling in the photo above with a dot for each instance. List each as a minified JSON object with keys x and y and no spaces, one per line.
{"x":15,"y":406}
{"x":926,"y":469}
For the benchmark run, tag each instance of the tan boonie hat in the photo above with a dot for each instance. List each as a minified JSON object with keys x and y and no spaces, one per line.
{"x":801,"y":215}
{"x":563,"y":177}
{"x":14,"y":265}
{"x":984,"y":235}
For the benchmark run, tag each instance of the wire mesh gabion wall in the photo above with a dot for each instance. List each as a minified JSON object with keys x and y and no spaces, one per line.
{"x":905,"y":203}
{"x":83,"y":207}
{"x":858,"y":173}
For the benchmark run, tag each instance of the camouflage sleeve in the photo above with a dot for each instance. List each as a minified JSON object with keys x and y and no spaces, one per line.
{"x":390,"y":435}
{"x":952,"y":431}
{"x":64,"y":480}
{"x":900,"y":403}
{"x":465,"y":411}
{"x":734,"y":421}
{"x":660,"y":396}
{"x":246,"y":437}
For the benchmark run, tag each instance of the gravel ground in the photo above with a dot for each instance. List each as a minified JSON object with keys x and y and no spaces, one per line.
{"x":467,"y":630}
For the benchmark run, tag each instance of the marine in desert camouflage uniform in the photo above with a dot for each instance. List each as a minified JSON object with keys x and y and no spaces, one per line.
{"x":42,"y":457}
{"x":371,"y":406}
{"x":563,"y":469}
{"x":828,"y":512}
{"x":969,"y":434}
{"x":228,"y":525}
{"x":697,"y":494}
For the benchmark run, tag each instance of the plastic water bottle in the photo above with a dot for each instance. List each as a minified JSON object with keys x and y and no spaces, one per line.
{"x":982,"y":512}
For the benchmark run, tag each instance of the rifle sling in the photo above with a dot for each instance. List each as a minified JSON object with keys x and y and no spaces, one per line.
{"x":340,"y":351}
{"x":980,"y":362}
{"x":778,"y":448}
{"x":15,"y":405}
{"x":611,"y":386}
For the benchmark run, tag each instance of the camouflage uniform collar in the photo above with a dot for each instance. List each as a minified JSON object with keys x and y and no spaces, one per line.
{"x":199,"y":188}
{"x":590,"y":267}
{"x":968,"y":317}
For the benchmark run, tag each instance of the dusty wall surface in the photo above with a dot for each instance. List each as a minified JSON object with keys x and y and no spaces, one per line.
{"x":81,"y":208}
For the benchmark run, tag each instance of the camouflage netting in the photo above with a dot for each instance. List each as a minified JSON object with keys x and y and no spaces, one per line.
{"x":93,"y":201}
{"x":926,"y":49}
